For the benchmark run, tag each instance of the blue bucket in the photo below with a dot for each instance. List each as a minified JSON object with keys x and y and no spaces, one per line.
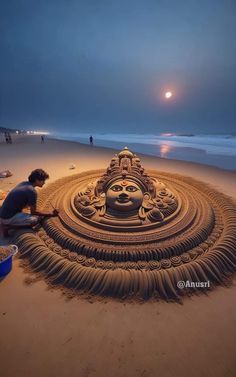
{"x":6,"y":264}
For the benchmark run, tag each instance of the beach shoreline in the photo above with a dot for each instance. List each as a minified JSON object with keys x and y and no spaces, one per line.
{"x":82,"y":154}
{"x":213,"y":150}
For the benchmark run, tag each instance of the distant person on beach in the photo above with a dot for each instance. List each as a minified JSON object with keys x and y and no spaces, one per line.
{"x":42,"y":139}
{"x":91,"y":140}
{"x":22,"y":196}
{"x":6,"y":137}
{"x":9,"y":138}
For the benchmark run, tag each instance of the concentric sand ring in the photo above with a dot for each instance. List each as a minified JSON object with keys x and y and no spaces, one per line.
{"x":196,"y":243}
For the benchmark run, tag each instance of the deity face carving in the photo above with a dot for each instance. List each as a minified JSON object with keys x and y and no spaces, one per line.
{"x":124,"y":196}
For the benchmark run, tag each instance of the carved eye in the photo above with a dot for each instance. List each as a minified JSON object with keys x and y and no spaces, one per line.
{"x":116,"y":188}
{"x":131,"y":188}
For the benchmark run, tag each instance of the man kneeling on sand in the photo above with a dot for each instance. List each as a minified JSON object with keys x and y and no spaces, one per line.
{"x":22,"y":196}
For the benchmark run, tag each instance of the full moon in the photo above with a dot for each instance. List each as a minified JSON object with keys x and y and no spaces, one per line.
{"x":168,"y":94}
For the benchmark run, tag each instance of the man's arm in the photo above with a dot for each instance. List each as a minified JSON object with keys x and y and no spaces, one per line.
{"x":33,"y":211}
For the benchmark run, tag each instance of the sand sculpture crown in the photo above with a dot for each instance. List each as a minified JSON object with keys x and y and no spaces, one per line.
{"x":125,"y":165}
{"x":125,"y":195}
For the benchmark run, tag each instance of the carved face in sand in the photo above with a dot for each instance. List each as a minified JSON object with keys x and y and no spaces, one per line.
{"x":124,"y":196}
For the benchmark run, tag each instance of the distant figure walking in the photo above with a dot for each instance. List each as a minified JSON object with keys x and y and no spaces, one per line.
{"x":91,"y":140}
{"x":6,"y":137}
{"x":42,"y":139}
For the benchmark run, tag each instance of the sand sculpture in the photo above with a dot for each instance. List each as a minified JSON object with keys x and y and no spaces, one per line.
{"x":127,"y":232}
{"x":126,"y":196}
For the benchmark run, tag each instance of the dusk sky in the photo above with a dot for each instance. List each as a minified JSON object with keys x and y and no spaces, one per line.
{"x":104,"y":66}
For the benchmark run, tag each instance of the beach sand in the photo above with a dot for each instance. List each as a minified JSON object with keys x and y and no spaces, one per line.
{"x":42,"y":333}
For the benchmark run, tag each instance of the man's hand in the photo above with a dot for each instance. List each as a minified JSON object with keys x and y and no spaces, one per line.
{"x":55,"y":212}
{"x":34,"y":211}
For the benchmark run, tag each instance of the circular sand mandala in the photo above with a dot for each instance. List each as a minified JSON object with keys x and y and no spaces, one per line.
{"x":125,"y":231}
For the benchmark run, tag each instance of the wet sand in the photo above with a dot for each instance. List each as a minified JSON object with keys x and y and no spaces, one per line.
{"x":45,"y":334}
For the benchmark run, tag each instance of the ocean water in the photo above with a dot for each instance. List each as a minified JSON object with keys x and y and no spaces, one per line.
{"x":216,"y":150}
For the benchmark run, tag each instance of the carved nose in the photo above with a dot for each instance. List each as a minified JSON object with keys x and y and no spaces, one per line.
{"x":123,"y":195}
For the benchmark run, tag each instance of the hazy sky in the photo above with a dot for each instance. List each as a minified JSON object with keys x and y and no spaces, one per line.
{"x":104,"y":65}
